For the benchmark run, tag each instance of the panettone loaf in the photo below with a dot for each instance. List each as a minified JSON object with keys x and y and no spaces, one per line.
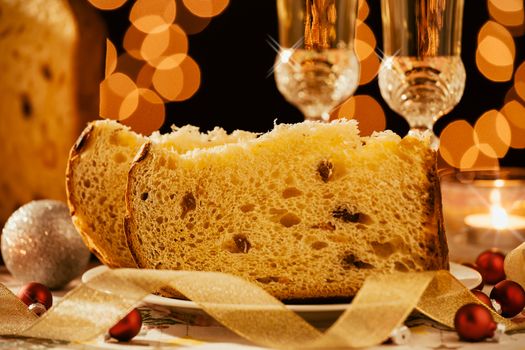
{"x":51,"y":63}
{"x":96,"y":180}
{"x":306,"y":210}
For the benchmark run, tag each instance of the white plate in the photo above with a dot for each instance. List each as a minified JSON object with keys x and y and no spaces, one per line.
{"x":318,"y":314}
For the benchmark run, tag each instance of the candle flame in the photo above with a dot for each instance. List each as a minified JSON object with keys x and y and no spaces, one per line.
{"x":498,"y":217}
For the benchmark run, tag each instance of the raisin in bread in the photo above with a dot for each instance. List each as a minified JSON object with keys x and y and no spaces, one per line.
{"x":96,"y":180}
{"x":51,"y":63}
{"x":305,"y":211}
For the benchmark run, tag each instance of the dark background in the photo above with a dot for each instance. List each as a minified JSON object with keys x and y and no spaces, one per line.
{"x":236,"y":93}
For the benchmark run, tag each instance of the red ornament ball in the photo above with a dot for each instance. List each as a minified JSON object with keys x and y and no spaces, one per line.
{"x":128,"y":327}
{"x":484,"y":298}
{"x":490,"y":265}
{"x":510,"y":296}
{"x":35,"y":292}
{"x":474,"y":322}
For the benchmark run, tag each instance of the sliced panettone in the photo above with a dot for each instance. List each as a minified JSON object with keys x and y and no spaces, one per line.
{"x":96,"y":180}
{"x":305,"y":211}
{"x":51,"y":61}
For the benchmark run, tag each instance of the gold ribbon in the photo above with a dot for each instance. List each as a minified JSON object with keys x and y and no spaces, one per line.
{"x":382,"y":304}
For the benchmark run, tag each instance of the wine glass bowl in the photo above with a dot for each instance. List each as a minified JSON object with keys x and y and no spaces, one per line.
{"x":422,"y":90}
{"x":316,"y":67}
{"x":422,"y":76}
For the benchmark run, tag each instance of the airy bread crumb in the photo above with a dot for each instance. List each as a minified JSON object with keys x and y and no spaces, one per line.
{"x":307,"y":210}
{"x":97,"y":173}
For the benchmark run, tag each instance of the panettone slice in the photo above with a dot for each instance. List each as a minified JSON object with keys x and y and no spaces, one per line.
{"x":308,"y":210}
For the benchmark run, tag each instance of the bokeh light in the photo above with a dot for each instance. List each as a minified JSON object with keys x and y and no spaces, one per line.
{"x":174,"y":42}
{"x":365,"y":45}
{"x":509,"y":13}
{"x":154,"y":45}
{"x":133,"y":40}
{"x":179,"y":82}
{"x":113,"y":90}
{"x":519,"y":81}
{"x":168,"y":83}
{"x":455,"y":140}
{"x":365,"y":41}
{"x":145,"y":76}
{"x":363,"y":10}
{"x":149,"y":113}
{"x":107,"y":4}
{"x":206,"y":8}
{"x":460,"y":147}
{"x":496,"y":52}
{"x":514,"y":112}
{"x":192,"y":79}
{"x":366,"y":110}
{"x":512,"y":95}
{"x":129,"y":66}
{"x":190,"y":23}
{"x":492,"y":134}
{"x":153,"y":16}
{"x":111,"y":58}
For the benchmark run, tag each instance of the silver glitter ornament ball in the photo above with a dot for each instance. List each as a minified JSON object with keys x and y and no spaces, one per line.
{"x":40,"y":244}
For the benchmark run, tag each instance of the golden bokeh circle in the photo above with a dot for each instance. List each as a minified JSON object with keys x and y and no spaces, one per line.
{"x":496,"y":52}
{"x":366,"y":110}
{"x":175,"y":45}
{"x":514,"y":112}
{"x":107,"y":4}
{"x":509,"y":13}
{"x":111,"y":58}
{"x":206,"y":8}
{"x":368,"y":69}
{"x":113,"y":91}
{"x":363,"y":10}
{"x":492,"y":134}
{"x":519,"y":81}
{"x":456,"y":139}
{"x":365,"y":41}
{"x":151,"y":16}
{"x":149,"y":115}
{"x":133,"y":39}
{"x":168,"y":82}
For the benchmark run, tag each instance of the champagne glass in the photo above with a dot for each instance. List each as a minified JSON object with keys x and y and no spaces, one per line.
{"x":316,"y":66}
{"x":422,"y":76}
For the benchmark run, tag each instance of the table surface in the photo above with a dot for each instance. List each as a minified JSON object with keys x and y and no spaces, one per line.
{"x":165,"y":327}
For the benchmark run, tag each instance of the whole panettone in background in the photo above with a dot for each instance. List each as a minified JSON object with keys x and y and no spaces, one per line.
{"x":307,"y":210}
{"x":51,"y":64}
{"x":97,"y":174}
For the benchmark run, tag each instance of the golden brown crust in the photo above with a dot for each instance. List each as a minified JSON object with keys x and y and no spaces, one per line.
{"x":74,"y":156}
{"x":438,"y":250}
{"x":438,"y":212}
{"x":74,"y":153}
{"x":141,"y":155}
{"x":82,"y":140}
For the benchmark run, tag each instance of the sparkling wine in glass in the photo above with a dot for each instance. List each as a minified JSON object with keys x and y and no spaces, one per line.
{"x":316,"y":67}
{"x":422,"y":76}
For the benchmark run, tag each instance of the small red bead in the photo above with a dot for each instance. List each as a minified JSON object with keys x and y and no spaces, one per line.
{"x":35,"y":292}
{"x":510,"y":296}
{"x":490,"y":265}
{"x":128,"y":327}
{"x":484,"y":298}
{"x":474,"y":322}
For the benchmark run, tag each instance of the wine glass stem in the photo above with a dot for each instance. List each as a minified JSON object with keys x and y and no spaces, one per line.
{"x":324,"y":117}
{"x":419,"y":129}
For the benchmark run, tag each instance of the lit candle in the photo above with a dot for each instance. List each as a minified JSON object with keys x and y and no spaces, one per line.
{"x":496,"y":228}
